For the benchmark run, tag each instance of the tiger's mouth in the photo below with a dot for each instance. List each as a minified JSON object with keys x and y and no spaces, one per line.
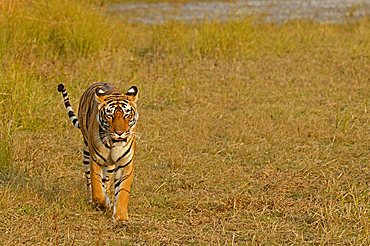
{"x":123,"y":138}
{"x":119,"y":139}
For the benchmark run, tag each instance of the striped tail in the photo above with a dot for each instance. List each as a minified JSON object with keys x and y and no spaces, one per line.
{"x":71,"y":113}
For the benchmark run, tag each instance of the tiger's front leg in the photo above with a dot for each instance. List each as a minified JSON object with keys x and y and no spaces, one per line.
{"x":97,"y":175}
{"x":123,"y":178}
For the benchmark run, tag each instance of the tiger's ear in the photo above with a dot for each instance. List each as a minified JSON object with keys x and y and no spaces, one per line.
{"x":132,"y":93}
{"x":100,"y":95}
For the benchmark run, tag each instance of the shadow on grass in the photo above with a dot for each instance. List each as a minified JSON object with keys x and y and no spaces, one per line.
{"x":5,"y":160}
{"x":35,"y":171}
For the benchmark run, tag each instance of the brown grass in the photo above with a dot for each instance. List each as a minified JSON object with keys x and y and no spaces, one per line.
{"x":266,"y":144}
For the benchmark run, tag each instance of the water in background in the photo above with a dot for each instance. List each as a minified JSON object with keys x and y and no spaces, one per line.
{"x":277,"y":11}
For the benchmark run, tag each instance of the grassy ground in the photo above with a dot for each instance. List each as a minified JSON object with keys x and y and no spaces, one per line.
{"x":250,"y":134}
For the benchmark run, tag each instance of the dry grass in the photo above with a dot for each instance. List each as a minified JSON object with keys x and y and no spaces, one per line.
{"x":250,"y":134}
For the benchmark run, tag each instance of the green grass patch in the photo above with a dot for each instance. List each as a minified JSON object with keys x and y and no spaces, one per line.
{"x":5,"y":156}
{"x":52,"y":29}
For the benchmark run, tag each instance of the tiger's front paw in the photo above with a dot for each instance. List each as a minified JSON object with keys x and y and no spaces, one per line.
{"x":101,"y":204}
{"x":121,"y":218}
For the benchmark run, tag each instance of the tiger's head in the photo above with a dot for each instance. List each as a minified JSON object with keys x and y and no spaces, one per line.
{"x":117,"y":112}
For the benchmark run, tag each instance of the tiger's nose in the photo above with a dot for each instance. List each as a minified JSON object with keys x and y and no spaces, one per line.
{"x":119,"y":132}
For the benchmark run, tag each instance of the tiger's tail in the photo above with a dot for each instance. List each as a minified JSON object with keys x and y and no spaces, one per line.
{"x":71,"y":113}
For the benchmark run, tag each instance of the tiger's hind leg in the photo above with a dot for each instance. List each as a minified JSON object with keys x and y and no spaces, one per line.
{"x":86,"y":163}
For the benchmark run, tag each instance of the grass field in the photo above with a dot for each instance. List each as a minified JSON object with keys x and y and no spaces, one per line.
{"x":250,"y":134}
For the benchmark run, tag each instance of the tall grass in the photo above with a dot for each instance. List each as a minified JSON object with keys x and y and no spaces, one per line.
{"x":248,"y":40}
{"x":5,"y":153}
{"x":52,"y":28}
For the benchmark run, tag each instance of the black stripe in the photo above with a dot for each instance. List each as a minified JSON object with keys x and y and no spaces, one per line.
{"x":88,"y":114}
{"x":101,"y":132}
{"x":128,"y":163}
{"x":110,"y":171}
{"x":95,"y":161}
{"x":61,"y":88}
{"x":76,"y":121}
{"x":96,"y":152}
{"x":124,"y":154}
{"x":86,"y":152}
{"x":71,"y":114}
{"x":121,"y":179}
{"x":118,"y":183}
{"x":67,"y":104}
{"x":116,"y":194}
{"x":101,"y":158}
{"x":117,"y":100}
{"x":87,"y":172}
{"x":86,"y":162}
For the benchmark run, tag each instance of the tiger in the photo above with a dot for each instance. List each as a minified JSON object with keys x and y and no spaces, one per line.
{"x":107,"y":119}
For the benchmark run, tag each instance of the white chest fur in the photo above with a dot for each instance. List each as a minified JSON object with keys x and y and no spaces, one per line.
{"x":121,"y":152}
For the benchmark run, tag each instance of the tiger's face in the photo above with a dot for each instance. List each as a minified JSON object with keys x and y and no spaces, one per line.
{"x":117,"y":114}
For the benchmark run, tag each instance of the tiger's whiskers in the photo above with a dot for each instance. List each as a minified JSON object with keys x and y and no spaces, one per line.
{"x":103,"y":137}
{"x":136,"y":135}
